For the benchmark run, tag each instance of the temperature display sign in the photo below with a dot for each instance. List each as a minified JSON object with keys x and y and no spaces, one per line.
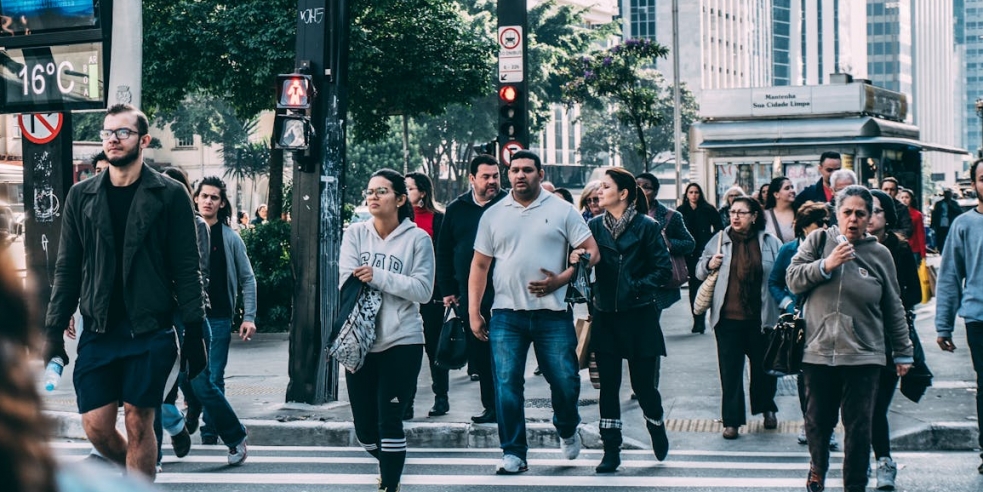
{"x":57,"y":78}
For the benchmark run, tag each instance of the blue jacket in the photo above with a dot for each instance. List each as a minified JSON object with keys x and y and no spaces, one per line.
{"x":777,"y":285}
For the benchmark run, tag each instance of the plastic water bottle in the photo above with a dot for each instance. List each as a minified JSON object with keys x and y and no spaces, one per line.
{"x":52,"y":373}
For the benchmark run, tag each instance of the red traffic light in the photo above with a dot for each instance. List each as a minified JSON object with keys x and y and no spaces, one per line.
{"x":508,"y":93}
{"x":294,"y":91}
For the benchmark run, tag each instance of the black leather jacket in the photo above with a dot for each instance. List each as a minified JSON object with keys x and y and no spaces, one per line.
{"x":632,"y":268}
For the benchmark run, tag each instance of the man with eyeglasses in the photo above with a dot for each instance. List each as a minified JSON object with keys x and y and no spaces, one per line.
{"x":822,"y":190}
{"x":128,"y":258}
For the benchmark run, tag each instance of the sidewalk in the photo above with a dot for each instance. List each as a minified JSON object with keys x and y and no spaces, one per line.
{"x":256,"y":381}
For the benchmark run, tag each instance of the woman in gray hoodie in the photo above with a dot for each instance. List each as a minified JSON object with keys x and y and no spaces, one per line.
{"x":391,"y":254}
{"x":853,"y":303}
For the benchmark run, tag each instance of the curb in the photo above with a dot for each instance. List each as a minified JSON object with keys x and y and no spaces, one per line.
{"x":939,"y":436}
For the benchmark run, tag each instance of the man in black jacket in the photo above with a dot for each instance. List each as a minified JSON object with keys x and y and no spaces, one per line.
{"x":128,"y":258}
{"x":455,"y":250}
{"x":943,"y":213}
{"x":822,"y":191}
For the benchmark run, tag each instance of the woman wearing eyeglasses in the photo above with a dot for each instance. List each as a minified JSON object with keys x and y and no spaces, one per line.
{"x":390,"y":253}
{"x":808,"y":218}
{"x":589,"y":201}
{"x":741,"y":307}
{"x":853,"y":316}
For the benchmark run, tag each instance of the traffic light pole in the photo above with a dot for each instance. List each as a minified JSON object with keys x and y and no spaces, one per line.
{"x":322,"y":42}
{"x":513,"y":78}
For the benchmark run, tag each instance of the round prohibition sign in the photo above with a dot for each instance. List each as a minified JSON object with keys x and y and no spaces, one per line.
{"x":511,"y":147}
{"x":510,"y":38}
{"x":40,"y":128}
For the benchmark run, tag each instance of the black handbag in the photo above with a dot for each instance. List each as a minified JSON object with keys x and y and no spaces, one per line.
{"x":919,"y":377}
{"x":452,"y":347}
{"x":786,"y":343}
{"x":787,"y":340}
{"x":579,"y":288}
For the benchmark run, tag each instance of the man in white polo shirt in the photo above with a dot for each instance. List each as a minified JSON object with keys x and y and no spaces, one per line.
{"x":528,"y":234}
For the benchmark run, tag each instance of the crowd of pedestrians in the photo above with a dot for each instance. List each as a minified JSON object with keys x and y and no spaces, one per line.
{"x":155,"y":269}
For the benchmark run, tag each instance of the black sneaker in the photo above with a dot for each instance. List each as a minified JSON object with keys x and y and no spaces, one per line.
{"x":181,"y":443}
{"x":192,"y":414}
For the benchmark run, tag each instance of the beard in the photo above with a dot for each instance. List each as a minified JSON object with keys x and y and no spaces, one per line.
{"x":126,"y":159}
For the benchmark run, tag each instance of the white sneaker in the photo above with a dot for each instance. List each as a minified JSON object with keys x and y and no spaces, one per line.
{"x":802,"y":435}
{"x":571,"y":446}
{"x":238,"y":454}
{"x":511,"y":465}
{"x":887,"y":471}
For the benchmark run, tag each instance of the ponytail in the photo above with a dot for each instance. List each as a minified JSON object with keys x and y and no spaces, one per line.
{"x":641,"y":203}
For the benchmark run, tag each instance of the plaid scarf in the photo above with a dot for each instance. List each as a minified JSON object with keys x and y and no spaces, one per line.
{"x":617,"y":227}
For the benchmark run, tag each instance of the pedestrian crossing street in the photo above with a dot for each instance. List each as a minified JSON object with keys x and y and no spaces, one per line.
{"x":351,"y":469}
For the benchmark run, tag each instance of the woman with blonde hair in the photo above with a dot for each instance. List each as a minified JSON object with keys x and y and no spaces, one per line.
{"x":589,"y":201}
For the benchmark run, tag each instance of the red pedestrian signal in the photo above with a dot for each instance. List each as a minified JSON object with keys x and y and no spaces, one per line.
{"x":294,"y":91}
{"x":508,"y":93}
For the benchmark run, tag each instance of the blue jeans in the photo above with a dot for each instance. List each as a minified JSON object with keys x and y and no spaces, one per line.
{"x":218,"y":352}
{"x":219,"y":418}
{"x":555,"y":342}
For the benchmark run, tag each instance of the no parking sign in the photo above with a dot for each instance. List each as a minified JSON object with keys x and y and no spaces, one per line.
{"x":40,"y":128}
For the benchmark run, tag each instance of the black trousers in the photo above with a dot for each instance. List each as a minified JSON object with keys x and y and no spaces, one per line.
{"x":379,"y":393}
{"x":737,"y":341}
{"x":974,"y":338}
{"x":433,"y":323}
{"x":851,"y":391}
{"x":694,"y":288}
{"x":479,"y":361}
{"x":880,"y":432}
{"x":641,"y":371}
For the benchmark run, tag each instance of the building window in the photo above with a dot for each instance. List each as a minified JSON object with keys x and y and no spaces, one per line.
{"x":187,"y":140}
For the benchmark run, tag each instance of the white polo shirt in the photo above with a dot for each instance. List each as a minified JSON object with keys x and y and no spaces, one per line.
{"x":524,"y":239}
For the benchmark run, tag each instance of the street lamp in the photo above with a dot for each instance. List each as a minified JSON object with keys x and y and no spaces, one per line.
{"x":979,"y":112}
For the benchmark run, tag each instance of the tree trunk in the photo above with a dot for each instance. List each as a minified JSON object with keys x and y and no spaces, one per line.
{"x":406,"y":145}
{"x":642,"y":148}
{"x":275,"y":205}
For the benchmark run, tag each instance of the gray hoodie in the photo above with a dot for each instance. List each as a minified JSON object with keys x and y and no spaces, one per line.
{"x":849,"y":313}
{"x":402,"y":269}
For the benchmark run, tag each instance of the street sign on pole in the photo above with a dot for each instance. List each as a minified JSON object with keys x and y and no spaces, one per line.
{"x":513,"y":85}
{"x":40,"y":128}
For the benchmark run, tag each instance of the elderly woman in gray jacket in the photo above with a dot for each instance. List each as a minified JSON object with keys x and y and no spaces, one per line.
{"x":741,"y":306}
{"x":853,"y":303}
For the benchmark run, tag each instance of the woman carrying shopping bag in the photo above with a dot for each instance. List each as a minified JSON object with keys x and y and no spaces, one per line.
{"x":634,"y":264}
{"x":391,"y":254}
{"x":741,"y":307}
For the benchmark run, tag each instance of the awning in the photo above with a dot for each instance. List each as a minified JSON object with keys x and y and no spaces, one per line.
{"x":755,"y":134}
{"x":759,"y":143}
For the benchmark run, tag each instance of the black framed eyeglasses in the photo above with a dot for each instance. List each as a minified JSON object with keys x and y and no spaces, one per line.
{"x":121,"y":133}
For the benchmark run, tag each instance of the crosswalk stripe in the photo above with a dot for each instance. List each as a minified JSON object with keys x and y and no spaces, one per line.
{"x":703,"y":465}
{"x":489,"y":480}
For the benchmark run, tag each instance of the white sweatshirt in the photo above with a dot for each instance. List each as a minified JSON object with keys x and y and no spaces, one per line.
{"x":402,"y":269}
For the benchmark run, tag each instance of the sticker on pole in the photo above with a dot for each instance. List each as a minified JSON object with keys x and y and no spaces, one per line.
{"x":40,"y":128}
{"x":508,"y":149}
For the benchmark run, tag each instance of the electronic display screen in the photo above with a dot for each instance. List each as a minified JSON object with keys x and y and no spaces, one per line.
{"x":58,"y":78}
{"x":26,"y":17}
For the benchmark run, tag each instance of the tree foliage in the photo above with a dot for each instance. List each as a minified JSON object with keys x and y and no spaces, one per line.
{"x":615,"y":75}
{"x":414,"y":57}
{"x":365,"y":158}
{"x":603,"y":134}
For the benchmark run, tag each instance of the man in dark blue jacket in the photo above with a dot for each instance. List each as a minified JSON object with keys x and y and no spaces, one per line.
{"x":822,"y":191}
{"x":455,"y":250}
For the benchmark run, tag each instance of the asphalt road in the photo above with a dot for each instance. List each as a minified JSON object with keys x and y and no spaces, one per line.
{"x":750,"y":467}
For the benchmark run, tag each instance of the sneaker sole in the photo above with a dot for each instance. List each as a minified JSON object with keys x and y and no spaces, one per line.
{"x":503,"y":471}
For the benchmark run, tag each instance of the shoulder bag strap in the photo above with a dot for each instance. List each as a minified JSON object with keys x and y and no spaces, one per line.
{"x":778,"y":227}
{"x":666,"y":226}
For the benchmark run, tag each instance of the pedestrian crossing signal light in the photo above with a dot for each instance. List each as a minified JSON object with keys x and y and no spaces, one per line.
{"x":294,"y":91}
{"x":512,"y":114}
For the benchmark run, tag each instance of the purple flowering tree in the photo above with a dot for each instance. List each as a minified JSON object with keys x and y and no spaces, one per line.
{"x":615,"y":77}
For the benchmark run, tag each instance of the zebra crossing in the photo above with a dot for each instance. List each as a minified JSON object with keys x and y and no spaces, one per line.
{"x":301,"y":468}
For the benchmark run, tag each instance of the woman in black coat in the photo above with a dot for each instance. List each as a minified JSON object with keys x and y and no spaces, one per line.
{"x":702,"y":221}
{"x":634,"y":264}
